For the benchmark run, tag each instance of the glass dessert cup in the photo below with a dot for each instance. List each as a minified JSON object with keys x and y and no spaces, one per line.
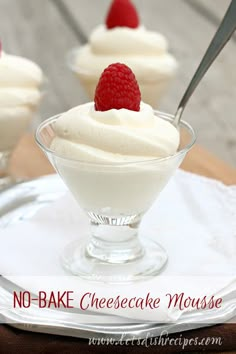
{"x":151,"y":89}
{"x":10,"y":133}
{"x":115,"y":197}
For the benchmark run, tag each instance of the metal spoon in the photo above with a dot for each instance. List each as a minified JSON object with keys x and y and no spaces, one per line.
{"x":223,"y":34}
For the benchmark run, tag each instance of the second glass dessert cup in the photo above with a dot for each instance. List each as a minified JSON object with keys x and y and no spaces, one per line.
{"x":152,"y":89}
{"x":115,"y":197}
{"x":11,"y":131}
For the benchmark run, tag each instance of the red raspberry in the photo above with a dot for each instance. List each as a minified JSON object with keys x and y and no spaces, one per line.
{"x":122,"y":13}
{"x":117,"y":88}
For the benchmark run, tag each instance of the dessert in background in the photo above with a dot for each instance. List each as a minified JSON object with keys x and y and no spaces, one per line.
{"x":20,"y":82}
{"x":116,"y":129}
{"x":124,"y":39}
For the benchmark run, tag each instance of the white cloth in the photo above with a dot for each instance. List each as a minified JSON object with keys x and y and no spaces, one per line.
{"x":194,"y":219}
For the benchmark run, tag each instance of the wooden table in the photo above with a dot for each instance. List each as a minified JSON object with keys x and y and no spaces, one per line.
{"x":29,"y":161}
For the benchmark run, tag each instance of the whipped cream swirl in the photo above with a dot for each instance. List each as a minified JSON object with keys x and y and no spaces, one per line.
{"x":145,"y":52}
{"x":20,"y":80}
{"x":113,"y":136}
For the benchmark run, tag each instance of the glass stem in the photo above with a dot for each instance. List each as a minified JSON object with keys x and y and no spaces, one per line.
{"x":5,"y":178}
{"x":4,"y":162}
{"x":114,"y":244}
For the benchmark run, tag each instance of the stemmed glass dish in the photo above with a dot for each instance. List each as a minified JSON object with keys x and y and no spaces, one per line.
{"x":115,"y":197}
{"x":11,"y":130}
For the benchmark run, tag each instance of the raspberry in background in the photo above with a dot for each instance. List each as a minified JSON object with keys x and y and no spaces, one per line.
{"x":117,"y":88}
{"x":122,"y":13}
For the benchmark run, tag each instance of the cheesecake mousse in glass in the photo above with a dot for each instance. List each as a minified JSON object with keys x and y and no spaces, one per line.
{"x":20,"y":95}
{"x":124,"y":39}
{"x":115,"y":155}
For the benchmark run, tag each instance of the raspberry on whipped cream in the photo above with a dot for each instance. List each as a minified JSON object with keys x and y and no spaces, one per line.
{"x":117,"y":88}
{"x":109,"y":154}
{"x":127,"y":41}
{"x":106,"y":133}
{"x":122,"y":13}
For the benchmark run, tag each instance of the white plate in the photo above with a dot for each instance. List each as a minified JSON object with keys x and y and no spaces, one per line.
{"x":21,"y":202}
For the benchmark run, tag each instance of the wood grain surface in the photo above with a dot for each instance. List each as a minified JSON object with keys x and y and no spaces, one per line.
{"x":38,"y":31}
{"x":213,"y":10}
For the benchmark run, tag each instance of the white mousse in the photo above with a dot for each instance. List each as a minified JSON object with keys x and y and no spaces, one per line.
{"x":113,"y":161}
{"x":114,"y":136}
{"x":20,"y":81}
{"x":145,"y":52}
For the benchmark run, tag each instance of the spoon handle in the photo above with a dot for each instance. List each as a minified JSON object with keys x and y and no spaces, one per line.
{"x":223,"y":34}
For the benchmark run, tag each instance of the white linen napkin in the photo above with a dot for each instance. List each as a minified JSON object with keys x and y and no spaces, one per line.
{"x":194,"y":219}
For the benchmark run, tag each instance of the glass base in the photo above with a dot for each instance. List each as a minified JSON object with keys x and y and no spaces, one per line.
{"x":86,"y":260}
